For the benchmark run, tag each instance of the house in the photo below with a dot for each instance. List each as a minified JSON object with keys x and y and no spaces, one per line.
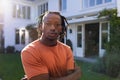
{"x":87,"y":33}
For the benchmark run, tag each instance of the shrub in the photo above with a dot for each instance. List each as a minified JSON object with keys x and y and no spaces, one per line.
{"x":99,"y":66}
{"x":111,"y":60}
{"x":112,"y":64}
{"x":10,"y":49}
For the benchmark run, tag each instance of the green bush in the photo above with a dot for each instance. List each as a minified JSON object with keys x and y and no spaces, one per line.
{"x":10,"y":49}
{"x":111,"y":61}
{"x":99,"y":66}
{"x":112,"y":64}
{"x":109,"y":64}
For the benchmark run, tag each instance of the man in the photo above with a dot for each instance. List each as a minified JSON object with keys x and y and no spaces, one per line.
{"x":47,"y":58}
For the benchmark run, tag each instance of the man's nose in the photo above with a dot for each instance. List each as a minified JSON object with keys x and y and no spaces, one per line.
{"x":52,"y":26}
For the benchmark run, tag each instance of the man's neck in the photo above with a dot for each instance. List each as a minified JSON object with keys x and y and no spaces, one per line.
{"x":48,"y":42}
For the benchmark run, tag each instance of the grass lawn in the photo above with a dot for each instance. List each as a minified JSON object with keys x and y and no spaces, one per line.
{"x":11,"y":69}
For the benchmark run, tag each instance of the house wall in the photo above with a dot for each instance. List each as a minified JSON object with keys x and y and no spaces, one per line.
{"x":72,"y":37}
{"x":10,"y":23}
{"x":53,"y":5}
{"x":75,"y":13}
{"x":80,"y":15}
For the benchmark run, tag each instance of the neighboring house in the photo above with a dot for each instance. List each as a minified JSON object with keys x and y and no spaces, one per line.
{"x":87,"y":33}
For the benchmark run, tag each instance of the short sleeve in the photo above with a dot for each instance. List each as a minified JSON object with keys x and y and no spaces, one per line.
{"x":32,"y":65}
{"x":70,"y":60}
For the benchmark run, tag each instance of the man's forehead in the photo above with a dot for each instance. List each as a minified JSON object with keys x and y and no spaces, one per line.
{"x":50,"y":15}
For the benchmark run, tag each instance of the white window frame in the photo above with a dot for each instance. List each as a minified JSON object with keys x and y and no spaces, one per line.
{"x":63,"y":5}
{"x":26,"y":14}
{"x":86,"y":3}
{"x":42,"y":8}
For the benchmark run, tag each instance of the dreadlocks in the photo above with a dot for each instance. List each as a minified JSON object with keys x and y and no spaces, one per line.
{"x":63,"y":23}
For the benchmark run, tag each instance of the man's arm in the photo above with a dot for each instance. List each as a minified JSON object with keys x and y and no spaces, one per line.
{"x":73,"y":75}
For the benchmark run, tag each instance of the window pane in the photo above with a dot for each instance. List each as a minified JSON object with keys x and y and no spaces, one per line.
{"x":104,"y":39}
{"x":14,"y":10}
{"x":108,"y":1}
{"x":79,"y":28}
{"x":79,"y":40}
{"x":47,"y":6}
{"x":79,"y":36}
{"x":105,"y":26}
{"x":18,"y":11}
{"x":99,"y":2}
{"x":23,"y":12}
{"x":17,"y":38}
{"x":63,"y":4}
{"x":28,"y":12}
{"x":23,"y":37}
{"x":85,"y":3}
{"x":42,"y":8}
{"x":91,"y":3}
{"x":39,"y":9}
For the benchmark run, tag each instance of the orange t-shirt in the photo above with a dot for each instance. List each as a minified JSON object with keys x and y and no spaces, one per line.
{"x":39,"y":59}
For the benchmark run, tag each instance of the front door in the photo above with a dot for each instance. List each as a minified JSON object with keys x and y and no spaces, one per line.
{"x":91,"y":39}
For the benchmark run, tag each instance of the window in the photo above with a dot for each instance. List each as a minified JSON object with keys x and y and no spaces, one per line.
{"x":24,"y":14}
{"x":42,"y":8}
{"x":28,"y":12}
{"x":20,"y":36}
{"x":91,"y":3}
{"x":79,"y":36}
{"x":63,"y":5}
{"x":104,"y":34}
{"x":106,"y":1}
{"x":14,"y":10}
{"x":99,"y":2}
{"x":21,"y":11}
{"x":85,"y":3}
{"x":17,"y":38}
{"x":104,"y":39}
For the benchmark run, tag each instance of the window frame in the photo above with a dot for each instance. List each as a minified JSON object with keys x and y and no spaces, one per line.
{"x":42,"y":8}
{"x":86,"y":3}
{"x":79,"y":32}
{"x":21,"y":11}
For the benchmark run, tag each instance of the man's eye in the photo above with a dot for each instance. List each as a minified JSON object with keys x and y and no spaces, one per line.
{"x":48,"y":24}
{"x":58,"y":25}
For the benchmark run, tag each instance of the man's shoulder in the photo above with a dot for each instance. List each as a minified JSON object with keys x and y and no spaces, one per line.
{"x":31,"y":46}
{"x":63,"y":44}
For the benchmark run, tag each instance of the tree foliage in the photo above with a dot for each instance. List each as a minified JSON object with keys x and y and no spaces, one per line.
{"x":114,"y":43}
{"x":111,"y":58}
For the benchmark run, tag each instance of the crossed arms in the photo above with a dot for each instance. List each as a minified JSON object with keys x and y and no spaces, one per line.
{"x":72,"y":75}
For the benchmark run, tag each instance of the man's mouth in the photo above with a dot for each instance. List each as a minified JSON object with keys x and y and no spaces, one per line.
{"x":54,"y":34}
